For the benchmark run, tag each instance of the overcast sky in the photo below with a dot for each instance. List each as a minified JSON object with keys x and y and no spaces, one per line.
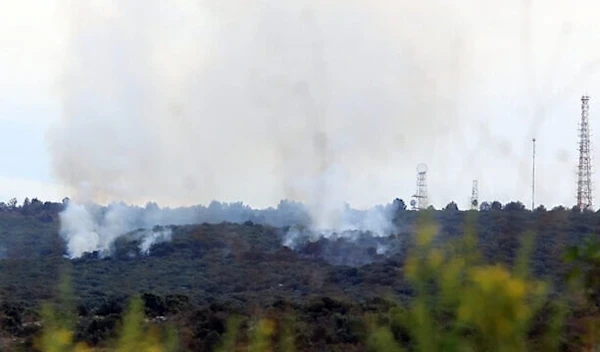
{"x":228,"y":100}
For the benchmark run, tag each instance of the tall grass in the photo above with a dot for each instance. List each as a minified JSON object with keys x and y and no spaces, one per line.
{"x":464,"y":304}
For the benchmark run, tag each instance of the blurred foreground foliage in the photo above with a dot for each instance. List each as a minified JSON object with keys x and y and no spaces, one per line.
{"x":459,"y":301}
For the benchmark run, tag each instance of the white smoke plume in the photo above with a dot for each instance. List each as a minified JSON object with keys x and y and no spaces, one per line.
{"x":88,"y":228}
{"x":151,"y":237}
{"x":257,"y":101}
{"x":378,"y":221}
{"x":79,"y":231}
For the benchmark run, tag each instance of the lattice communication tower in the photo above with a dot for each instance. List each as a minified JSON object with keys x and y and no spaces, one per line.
{"x":584,"y":170}
{"x":420,"y":200}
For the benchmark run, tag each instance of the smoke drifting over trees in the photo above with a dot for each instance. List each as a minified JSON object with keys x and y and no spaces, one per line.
{"x":305,"y":100}
{"x":93,"y":228}
{"x":318,"y":102}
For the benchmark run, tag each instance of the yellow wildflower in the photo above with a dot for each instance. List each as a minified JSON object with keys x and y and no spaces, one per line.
{"x":82,"y":347}
{"x":515,"y":288}
{"x":64,"y":337}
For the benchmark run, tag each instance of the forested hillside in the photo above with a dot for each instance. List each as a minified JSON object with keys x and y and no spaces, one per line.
{"x":208,"y":273}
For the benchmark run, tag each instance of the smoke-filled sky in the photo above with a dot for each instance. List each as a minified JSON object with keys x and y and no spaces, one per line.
{"x":183,"y":102}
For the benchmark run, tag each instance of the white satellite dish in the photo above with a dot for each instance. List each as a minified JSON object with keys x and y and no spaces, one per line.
{"x":422,"y":168}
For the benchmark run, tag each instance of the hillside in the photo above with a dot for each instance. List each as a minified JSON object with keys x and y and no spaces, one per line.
{"x":220,"y":269}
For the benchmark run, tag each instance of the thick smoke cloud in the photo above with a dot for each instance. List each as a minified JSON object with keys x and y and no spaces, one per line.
{"x":242,"y":100}
{"x":89,"y":228}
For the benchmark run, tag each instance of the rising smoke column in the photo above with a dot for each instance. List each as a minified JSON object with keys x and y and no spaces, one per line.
{"x":89,"y":227}
{"x":189,"y":102}
{"x":194,"y":101}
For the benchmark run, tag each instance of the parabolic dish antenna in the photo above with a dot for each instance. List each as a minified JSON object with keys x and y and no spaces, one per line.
{"x":422,"y":168}
{"x":413,"y":203}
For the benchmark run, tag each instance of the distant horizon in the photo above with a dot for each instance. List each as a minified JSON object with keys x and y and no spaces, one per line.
{"x":274,"y":206}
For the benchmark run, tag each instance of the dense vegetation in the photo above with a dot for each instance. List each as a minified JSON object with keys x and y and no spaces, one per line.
{"x":213,"y":280}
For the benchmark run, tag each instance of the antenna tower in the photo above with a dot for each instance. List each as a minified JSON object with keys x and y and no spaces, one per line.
{"x":419,"y":201}
{"x":533,"y":177}
{"x":474,"y":196}
{"x":584,"y":171}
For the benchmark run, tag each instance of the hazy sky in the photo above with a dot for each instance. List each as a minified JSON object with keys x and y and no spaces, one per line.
{"x":315,"y":100}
